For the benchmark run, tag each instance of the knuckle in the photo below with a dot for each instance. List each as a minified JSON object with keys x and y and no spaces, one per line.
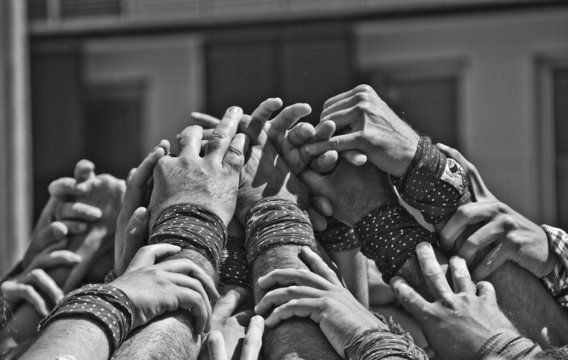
{"x":364,"y":88}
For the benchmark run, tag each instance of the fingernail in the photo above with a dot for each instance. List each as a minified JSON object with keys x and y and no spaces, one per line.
{"x":234,"y":110}
{"x":360,"y":159}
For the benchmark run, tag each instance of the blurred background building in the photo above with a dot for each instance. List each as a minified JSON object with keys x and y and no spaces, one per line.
{"x":107,"y":79}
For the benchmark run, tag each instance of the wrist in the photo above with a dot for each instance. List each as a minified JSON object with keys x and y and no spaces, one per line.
{"x":406,"y":153}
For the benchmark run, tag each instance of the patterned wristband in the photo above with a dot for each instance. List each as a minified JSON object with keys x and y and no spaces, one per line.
{"x":337,"y":236}
{"x":104,"y":305}
{"x":389,"y":235}
{"x":234,"y":268}
{"x":191,"y":227}
{"x":434,"y":184}
{"x":276,"y":222}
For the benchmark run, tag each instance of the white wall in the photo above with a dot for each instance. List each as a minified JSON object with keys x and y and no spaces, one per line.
{"x":172,"y":68}
{"x":499,"y":97}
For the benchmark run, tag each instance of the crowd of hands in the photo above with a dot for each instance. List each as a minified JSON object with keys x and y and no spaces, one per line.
{"x":336,"y":169}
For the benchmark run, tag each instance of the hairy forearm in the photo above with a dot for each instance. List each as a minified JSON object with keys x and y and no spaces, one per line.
{"x":174,"y":329}
{"x":296,"y":338}
{"x":521,"y":296}
{"x":68,"y":339}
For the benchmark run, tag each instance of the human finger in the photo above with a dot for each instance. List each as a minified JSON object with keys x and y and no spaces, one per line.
{"x":192,"y":301}
{"x":354,"y":157}
{"x":344,"y":103}
{"x":235,"y":156}
{"x":84,"y":170}
{"x":224,"y":133}
{"x":62,"y":228}
{"x":216,"y":346}
{"x":228,"y":303}
{"x":77,"y":211}
{"x":339,"y":143}
{"x":465,"y":215}
{"x":55,"y":258}
{"x":432,"y":271}
{"x":190,"y":141}
{"x":149,"y":254}
{"x":344,"y":118}
{"x":29,"y":294}
{"x":260,"y":116}
{"x":315,"y":182}
{"x":205,"y":120}
{"x":301,"y":133}
{"x":135,"y":237}
{"x":44,"y":283}
{"x":289,"y":116}
{"x":347,"y":94}
{"x":326,"y":162}
{"x":188,"y":267}
{"x":410,"y":299}
{"x":319,"y":222}
{"x":206,"y":311}
{"x":277,"y":297}
{"x":486,"y":289}
{"x":298,"y":307}
{"x":477,"y":242}
{"x":318,"y":266}
{"x":461,"y":278}
{"x":253,"y":339}
{"x":324,"y":130}
{"x":322,"y":205}
{"x":64,"y":187}
{"x":492,"y":261}
{"x":137,"y":183}
{"x":287,"y":277}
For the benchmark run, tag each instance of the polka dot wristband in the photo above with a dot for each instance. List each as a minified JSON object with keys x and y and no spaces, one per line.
{"x":388,"y":235}
{"x":337,"y":236}
{"x":104,"y":305}
{"x":191,"y":227}
{"x":434,"y":184}
{"x":234,"y":269}
{"x":276,"y":222}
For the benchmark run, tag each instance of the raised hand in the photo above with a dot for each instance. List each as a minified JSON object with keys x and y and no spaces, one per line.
{"x":210,"y":181}
{"x":155,"y":289}
{"x":319,"y":295}
{"x":229,"y":335}
{"x":500,"y":233}
{"x":34,"y":285}
{"x":464,"y":317}
{"x":368,"y":125}
{"x":132,"y":221}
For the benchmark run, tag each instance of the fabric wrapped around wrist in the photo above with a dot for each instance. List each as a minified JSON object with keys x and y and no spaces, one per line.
{"x":509,"y":345}
{"x":276,"y":222}
{"x":337,"y":236}
{"x":104,"y":305}
{"x":234,"y":269}
{"x":434,"y":184}
{"x":191,"y":227}
{"x":390,"y":342}
{"x":388,"y":235}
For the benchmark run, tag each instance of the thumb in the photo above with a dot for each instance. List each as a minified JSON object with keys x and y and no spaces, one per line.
{"x":316,"y":182}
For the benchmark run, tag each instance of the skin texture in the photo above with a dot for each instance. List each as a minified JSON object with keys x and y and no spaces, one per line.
{"x":295,"y":338}
{"x":100,"y":199}
{"x":352,"y":267}
{"x":469,"y":310}
{"x":186,"y":179}
{"x":234,"y":334}
{"x":319,"y":295}
{"x":165,"y":288}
